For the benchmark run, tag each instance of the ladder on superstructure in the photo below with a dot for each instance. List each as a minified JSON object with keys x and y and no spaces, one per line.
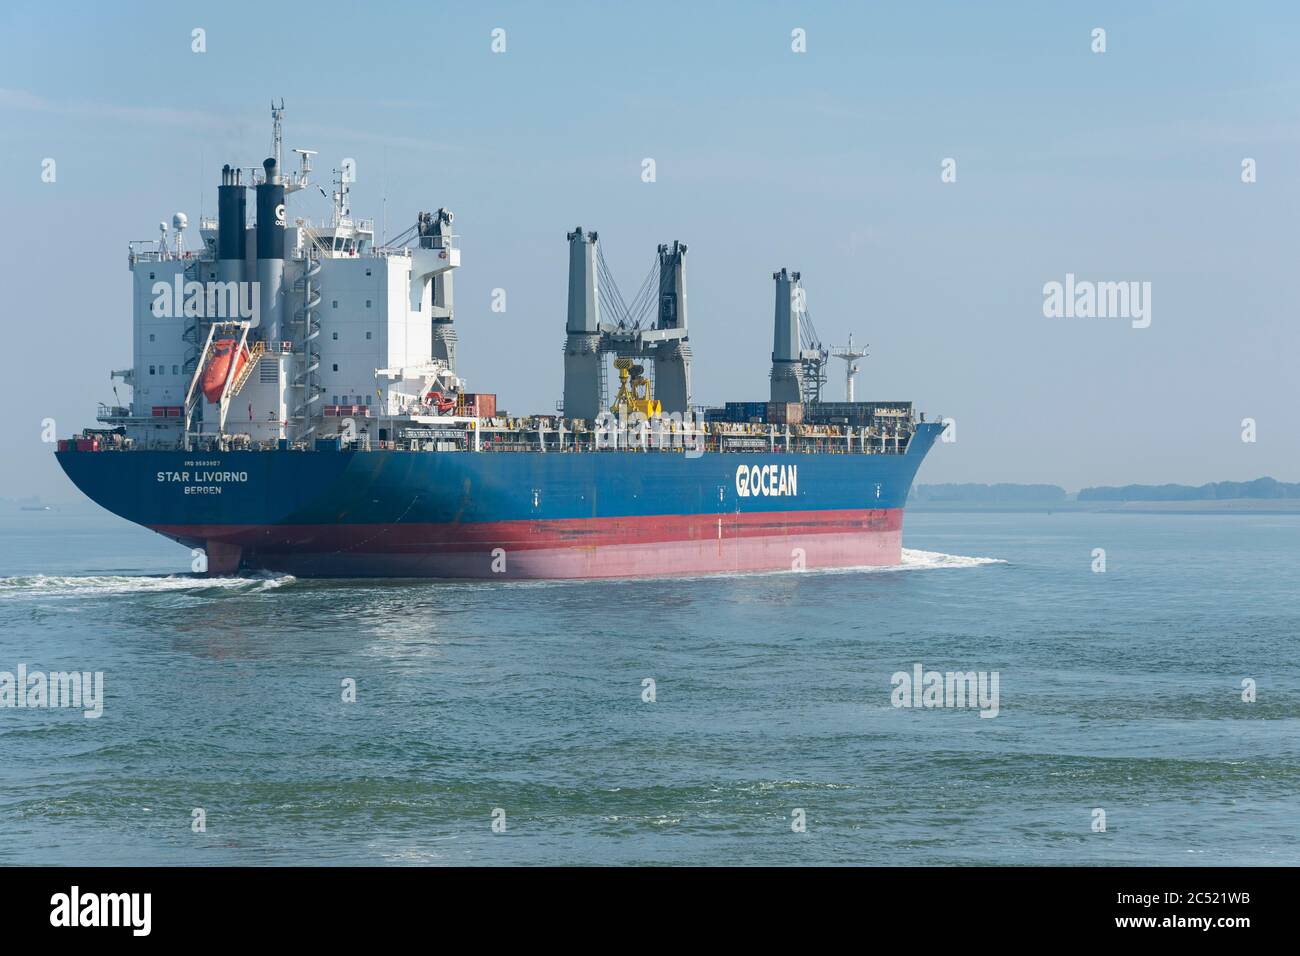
{"x":254,"y":356}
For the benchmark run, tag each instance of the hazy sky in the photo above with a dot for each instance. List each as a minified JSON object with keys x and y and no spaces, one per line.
{"x":1117,"y":166}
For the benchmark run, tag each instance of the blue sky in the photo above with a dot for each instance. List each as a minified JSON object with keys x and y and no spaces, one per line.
{"x":1116,"y":166}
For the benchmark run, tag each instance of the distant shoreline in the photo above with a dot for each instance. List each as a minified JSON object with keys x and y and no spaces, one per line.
{"x":1261,"y":496}
{"x":1232,"y":506}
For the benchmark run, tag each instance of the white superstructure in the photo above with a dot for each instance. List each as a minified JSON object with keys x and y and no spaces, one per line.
{"x":338,"y":332}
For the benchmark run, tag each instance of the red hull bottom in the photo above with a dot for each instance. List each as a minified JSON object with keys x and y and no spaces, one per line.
{"x":669,"y":545}
{"x":681,"y":558}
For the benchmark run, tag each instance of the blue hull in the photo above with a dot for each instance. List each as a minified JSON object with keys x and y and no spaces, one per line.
{"x":436,"y":513}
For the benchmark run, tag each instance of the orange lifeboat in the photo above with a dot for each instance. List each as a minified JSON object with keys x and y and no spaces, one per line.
{"x":214,"y":375}
{"x":444,"y":403}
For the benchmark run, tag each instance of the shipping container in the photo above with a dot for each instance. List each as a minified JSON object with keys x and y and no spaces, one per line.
{"x":741,"y":412}
{"x":856,"y":414}
{"x":480,"y":404}
{"x":784,"y":413}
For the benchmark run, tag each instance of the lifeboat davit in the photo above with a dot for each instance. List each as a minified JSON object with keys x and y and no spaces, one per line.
{"x":444,"y":403}
{"x":214,"y":375}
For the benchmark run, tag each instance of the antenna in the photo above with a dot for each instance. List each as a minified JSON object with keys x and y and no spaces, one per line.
{"x":341,"y":189}
{"x":850,"y":355}
{"x":304,"y":169}
{"x":277,"y":132}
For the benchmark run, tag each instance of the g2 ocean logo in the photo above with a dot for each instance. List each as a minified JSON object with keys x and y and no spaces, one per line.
{"x":767,"y":480}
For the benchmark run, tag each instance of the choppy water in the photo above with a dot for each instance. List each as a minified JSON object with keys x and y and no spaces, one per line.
{"x":1119,"y":690}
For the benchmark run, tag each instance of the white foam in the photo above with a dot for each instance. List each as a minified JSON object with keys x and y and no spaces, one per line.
{"x":914,"y":559}
{"x":108,"y":585}
{"x":53,"y":585}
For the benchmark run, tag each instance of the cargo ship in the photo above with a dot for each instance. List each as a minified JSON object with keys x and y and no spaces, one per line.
{"x":295,"y":407}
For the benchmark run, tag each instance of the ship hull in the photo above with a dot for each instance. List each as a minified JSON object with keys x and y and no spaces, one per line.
{"x":581,"y":548}
{"x":512,"y":514}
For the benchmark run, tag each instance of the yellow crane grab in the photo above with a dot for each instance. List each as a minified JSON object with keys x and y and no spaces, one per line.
{"x":634,"y":391}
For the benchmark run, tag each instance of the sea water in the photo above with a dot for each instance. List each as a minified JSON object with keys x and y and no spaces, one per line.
{"x":736,"y":719}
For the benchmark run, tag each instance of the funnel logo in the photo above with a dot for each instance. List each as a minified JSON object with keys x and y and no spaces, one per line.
{"x":279,"y":215}
{"x":767,"y":480}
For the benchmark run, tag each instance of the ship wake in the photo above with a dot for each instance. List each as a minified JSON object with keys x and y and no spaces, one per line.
{"x":913,"y":560}
{"x":923,"y":560}
{"x":43,"y":585}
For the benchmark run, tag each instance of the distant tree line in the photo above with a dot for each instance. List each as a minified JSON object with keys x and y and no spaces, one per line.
{"x":1003,"y":494}
{"x":1218,"y":490}
{"x":1012,"y":494}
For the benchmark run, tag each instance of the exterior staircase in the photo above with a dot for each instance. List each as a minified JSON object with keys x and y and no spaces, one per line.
{"x":254,"y":356}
